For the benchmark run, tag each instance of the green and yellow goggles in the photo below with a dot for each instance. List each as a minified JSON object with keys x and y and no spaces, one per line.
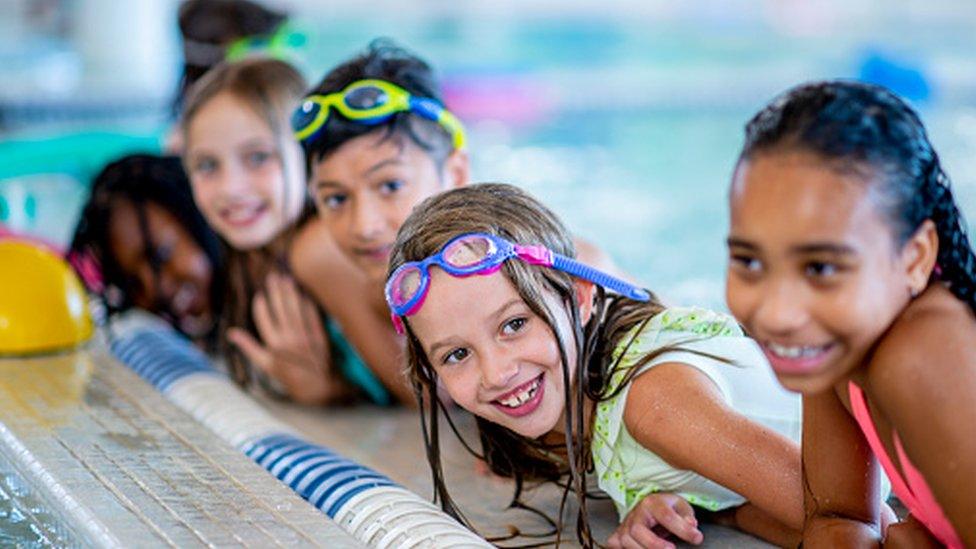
{"x":371,"y":102}
{"x":282,"y":44}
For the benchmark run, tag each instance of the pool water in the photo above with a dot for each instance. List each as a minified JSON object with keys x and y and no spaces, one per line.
{"x":627,"y":127}
{"x":25,"y":521}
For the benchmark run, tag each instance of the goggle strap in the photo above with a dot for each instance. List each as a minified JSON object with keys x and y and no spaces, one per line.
{"x":597,"y":276}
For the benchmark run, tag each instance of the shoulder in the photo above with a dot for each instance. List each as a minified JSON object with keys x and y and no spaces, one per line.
{"x":312,"y":251}
{"x":662,"y":397}
{"x":926,"y":354}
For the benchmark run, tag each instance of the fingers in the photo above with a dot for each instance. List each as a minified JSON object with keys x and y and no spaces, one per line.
{"x":313,"y":325}
{"x":254,"y":351}
{"x":636,"y":535}
{"x":264,"y":321}
{"x":284,"y":299}
{"x":682,"y":525}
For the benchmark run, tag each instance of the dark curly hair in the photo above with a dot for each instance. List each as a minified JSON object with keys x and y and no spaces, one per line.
{"x":869,"y":131}
{"x":138,"y":179}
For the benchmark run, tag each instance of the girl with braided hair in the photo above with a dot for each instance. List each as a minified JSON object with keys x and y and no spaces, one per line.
{"x":849,"y":263}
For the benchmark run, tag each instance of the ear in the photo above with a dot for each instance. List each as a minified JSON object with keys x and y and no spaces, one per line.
{"x":456,"y":172}
{"x":585,"y":290}
{"x":918,"y":256}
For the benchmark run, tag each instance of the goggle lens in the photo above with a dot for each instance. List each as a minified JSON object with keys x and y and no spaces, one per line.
{"x":469,"y":251}
{"x":405,"y":285}
{"x":305,"y":115}
{"x":366,"y":98}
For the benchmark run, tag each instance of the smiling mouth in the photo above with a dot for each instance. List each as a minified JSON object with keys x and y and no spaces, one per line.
{"x":796,"y":359}
{"x":243,"y":215}
{"x":522,"y":400}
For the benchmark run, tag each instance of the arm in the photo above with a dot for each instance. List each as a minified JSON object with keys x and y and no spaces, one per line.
{"x":342,"y":291}
{"x":923,"y":382}
{"x":717,"y":442}
{"x":840,"y":477}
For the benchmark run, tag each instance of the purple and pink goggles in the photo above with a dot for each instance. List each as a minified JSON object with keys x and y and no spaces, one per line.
{"x":483,"y":254}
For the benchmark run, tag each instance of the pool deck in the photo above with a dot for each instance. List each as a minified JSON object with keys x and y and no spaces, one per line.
{"x":389,"y":440}
{"x":122,"y":467}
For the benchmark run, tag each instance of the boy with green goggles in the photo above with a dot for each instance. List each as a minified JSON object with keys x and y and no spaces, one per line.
{"x":372,"y":102}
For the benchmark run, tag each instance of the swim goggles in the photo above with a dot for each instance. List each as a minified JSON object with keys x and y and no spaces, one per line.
{"x":483,"y":254}
{"x":281,"y":44}
{"x":371,"y":102}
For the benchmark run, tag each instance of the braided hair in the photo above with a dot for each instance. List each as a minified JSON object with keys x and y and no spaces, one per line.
{"x":867,"y":130}
{"x":138,"y":179}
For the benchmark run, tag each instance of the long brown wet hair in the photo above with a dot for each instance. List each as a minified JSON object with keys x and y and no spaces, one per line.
{"x":273,"y":89}
{"x":508,"y":212}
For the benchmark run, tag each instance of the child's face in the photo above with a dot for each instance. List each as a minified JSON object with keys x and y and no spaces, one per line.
{"x":247,"y":186}
{"x":495,"y":357}
{"x":366,"y":188}
{"x":814,"y":274}
{"x":179,"y":287}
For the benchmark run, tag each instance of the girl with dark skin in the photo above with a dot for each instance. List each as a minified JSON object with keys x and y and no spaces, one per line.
{"x":849,"y":263}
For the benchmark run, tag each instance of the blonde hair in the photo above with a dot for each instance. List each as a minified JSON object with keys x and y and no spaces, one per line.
{"x":272,"y":89}
{"x":507,"y":211}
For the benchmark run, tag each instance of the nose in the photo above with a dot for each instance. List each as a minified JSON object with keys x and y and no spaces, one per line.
{"x":229,"y":179}
{"x":498,"y":372}
{"x":781,"y":309}
{"x":367,"y":221}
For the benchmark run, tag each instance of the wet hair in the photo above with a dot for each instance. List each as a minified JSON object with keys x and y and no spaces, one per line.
{"x":867,"y":130}
{"x":209,"y":26}
{"x":382,"y":60}
{"x":272,"y":89}
{"x":138,"y":179}
{"x":508,"y":212}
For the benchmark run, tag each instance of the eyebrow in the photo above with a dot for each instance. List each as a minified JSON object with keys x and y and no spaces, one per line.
{"x":446,"y":342}
{"x":383,"y":163}
{"x":803,"y":249}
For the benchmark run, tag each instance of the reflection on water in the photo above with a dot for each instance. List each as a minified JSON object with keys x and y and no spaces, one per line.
{"x":24,"y":521}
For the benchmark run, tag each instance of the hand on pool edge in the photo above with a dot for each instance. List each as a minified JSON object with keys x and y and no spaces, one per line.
{"x":656,"y":512}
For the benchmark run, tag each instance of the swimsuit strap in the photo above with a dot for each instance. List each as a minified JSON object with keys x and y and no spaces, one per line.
{"x":911,"y":489}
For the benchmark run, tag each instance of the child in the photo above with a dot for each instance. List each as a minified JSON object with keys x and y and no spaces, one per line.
{"x":849,"y":264}
{"x":141,"y":242}
{"x":667,"y":404}
{"x":245,"y":170}
{"x":370,"y":163}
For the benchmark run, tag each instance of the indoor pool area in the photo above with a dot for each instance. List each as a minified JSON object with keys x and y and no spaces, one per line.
{"x":624,"y":117}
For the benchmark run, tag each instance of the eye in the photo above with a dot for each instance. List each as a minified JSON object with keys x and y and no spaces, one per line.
{"x":391,"y":187}
{"x":514,"y":325}
{"x":745,"y":263}
{"x":333,"y":201}
{"x":821,"y":269}
{"x":455,"y":356}
{"x":256,"y":159}
{"x":204,"y":166}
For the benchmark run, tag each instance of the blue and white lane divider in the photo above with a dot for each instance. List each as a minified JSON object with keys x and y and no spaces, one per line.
{"x":367,"y":504}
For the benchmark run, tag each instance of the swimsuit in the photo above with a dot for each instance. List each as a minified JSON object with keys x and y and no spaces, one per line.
{"x":911,"y":489}
{"x":353,"y":368}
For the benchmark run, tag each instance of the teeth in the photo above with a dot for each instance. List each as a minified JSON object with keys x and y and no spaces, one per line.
{"x":521,"y":397}
{"x":794,"y":352}
{"x":242,"y":213}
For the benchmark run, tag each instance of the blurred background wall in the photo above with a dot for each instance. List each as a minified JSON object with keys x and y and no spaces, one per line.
{"x":625,"y":115}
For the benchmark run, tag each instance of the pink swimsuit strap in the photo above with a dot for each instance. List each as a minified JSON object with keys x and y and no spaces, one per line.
{"x":912,"y":490}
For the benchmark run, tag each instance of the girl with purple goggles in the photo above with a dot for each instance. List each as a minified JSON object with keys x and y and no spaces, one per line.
{"x":483,"y":254}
